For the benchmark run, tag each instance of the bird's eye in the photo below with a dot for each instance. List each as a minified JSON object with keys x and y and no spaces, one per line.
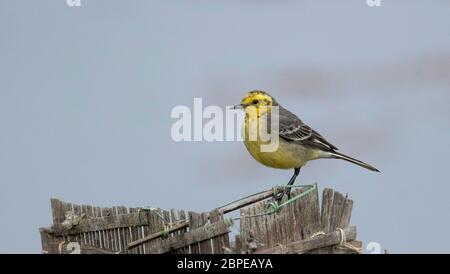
{"x":255,"y":102}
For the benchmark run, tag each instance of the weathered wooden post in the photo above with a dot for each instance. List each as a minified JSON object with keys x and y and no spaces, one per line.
{"x":299,"y":225}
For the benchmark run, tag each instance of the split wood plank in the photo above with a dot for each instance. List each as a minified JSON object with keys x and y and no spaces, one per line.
{"x":303,"y":246}
{"x":101,"y":223}
{"x":182,"y":218}
{"x":192,"y":237}
{"x":194,"y":222}
{"x":133,"y":233}
{"x":106,"y":232}
{"x":79,"y":236}
{"x":124,"y":232}
{"x":205,"y":246}
{"x":156,"y":235}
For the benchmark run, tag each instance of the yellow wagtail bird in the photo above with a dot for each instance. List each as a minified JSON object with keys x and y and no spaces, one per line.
{"x":298,"y":143}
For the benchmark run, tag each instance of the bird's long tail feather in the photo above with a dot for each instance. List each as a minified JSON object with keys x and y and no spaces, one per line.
{"x":338,"y":155}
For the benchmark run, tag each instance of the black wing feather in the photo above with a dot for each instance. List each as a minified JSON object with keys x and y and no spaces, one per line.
{"x":293,"y":129}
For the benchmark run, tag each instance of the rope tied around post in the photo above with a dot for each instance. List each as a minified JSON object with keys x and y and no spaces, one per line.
{"x":273,"y":207}
{"x":318,"y":233}
{"x":343,"y":244}
{"x":228,"y":222}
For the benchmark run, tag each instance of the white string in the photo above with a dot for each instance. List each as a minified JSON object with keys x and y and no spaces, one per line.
{"x":60,"y":246}
{"x":343,"y":242}
{"x":281,"y":247}
{"x":319,"y":233}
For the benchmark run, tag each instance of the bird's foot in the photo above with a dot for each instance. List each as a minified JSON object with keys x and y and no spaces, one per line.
{"x":286,"y":192}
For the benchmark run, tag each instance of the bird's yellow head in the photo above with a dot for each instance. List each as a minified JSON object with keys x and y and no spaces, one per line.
{"x":257,"y":100}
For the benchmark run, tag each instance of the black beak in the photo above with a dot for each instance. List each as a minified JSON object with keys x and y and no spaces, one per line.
{"x":239,"y":106}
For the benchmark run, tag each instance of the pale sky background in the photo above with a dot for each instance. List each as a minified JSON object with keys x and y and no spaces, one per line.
{"x":86,"y":95}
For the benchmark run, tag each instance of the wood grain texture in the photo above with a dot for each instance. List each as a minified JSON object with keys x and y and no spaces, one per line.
{"x":303,"y":246}
{"x":291,"y":229}
{"x":194,"y":236}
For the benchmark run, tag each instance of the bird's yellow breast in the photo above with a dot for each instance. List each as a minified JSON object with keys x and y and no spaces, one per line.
{"x":287,"y":155}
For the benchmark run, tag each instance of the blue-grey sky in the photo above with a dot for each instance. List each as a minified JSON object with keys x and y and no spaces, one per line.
{"x":86,"y":95}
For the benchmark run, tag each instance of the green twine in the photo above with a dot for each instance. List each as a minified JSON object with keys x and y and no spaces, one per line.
{"x":207,"y":228}
{"x":157,"y":211}
{"x":228,"y":221}
{"x":273,"y":207}
{"x":166,"y":231}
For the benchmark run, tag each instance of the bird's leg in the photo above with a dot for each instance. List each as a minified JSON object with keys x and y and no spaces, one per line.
{"x":291,"y":182}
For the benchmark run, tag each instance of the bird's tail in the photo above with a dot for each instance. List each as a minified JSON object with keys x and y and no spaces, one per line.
{"x":338,"y":155}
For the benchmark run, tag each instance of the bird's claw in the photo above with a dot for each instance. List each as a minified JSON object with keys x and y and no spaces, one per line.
{"x":280,"y":196}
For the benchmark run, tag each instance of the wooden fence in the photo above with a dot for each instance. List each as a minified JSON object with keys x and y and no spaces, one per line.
{"x":301,"y":226}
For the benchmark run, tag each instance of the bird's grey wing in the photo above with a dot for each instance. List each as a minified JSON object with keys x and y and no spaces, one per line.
{"x":293,"y":129}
